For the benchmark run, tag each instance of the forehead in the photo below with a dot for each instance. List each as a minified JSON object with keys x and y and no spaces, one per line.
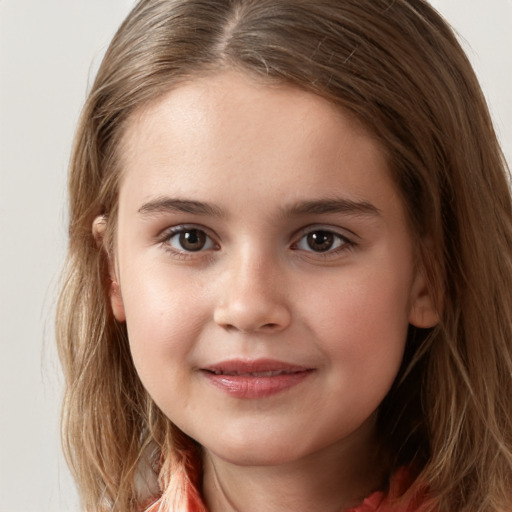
{"x":214,"y":100}
{"x":234,"y":129}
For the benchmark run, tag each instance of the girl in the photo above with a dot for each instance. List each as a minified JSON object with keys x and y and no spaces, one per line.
{"x":289,"y":283}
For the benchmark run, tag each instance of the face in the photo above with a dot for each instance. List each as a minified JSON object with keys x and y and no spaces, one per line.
{"x":265,"y":268}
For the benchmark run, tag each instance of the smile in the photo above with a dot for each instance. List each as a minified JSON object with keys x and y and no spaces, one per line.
{"x":254,"y":374}
{"x":255,"y":379}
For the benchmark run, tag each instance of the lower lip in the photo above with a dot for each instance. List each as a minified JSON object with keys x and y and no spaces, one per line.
{"x":249,"y":387}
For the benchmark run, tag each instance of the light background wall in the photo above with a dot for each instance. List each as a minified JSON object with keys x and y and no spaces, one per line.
{"x":49,"y":51}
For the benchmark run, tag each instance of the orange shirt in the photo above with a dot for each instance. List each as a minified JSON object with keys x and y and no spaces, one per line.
{"x":390,"y":501}
{"x":380,"y":501}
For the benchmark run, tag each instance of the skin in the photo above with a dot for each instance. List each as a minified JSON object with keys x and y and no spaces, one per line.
{"x":258,"y":156}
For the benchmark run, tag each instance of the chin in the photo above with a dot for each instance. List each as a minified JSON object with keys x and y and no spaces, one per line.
{"x":257,"y":450}
{"x":256,"y":457}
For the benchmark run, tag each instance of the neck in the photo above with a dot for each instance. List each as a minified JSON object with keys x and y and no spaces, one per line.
{"x":330,"y":480}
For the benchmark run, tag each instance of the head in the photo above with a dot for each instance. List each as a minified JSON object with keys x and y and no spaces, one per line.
{"x":398,"y":69}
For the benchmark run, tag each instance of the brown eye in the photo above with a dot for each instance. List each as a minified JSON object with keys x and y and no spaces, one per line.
{"x":190,"y":240}
{"x":320,"y":241}
{"x":193,"y":240}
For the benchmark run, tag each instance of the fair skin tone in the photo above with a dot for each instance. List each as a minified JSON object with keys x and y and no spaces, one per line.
{"x":266,"y":274}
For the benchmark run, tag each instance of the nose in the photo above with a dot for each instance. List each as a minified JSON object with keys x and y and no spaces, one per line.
{"x":253,"y":297}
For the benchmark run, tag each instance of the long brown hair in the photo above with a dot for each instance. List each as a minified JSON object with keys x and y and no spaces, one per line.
{"x":397,"y":66}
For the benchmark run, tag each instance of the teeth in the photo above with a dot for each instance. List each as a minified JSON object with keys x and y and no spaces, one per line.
{"x":267,"y":374}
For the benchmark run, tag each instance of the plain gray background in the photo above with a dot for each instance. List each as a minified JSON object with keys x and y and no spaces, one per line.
{"x":49,"y":51}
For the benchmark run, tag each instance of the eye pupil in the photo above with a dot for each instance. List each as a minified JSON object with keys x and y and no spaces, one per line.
{"x":192,"y":240}
{"x":320,"y":241}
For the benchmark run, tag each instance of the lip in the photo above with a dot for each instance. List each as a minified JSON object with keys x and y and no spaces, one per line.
{"x":255,"y":379}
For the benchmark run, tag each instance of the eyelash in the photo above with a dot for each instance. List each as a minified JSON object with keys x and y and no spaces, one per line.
{"x":343,"y":242}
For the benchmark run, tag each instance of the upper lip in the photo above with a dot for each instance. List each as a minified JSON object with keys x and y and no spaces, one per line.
{"x":267,"y":367}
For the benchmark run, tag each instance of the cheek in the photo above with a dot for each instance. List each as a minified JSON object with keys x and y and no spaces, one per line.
{"x":163,"y":325}
{"x":363,"y":320}
{"x":163,"y":316}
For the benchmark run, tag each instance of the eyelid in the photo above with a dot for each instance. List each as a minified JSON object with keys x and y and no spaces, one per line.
{"x":342,"y":232}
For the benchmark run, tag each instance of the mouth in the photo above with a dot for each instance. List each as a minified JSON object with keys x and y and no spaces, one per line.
{"x":253,"y":374}
{"x":255,"y":379}
{"x":254,"y":368}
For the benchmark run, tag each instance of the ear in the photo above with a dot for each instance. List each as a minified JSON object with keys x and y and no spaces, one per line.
{"x":423,"y":313}
{"x":116,"y":301}
{"x":99,"y":226}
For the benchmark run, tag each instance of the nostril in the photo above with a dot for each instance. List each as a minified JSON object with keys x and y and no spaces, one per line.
{"x":244,"y":315}
{"x":263,"y":328}
{"x":245,"y":329}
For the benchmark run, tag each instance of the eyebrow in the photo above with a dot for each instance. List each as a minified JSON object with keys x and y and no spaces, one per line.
{"x":332,"y":205}
{"x":313,"y":207}
{"x":169,"y":204}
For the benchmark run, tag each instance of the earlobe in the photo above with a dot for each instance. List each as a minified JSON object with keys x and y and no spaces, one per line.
{"x":423,"y":312}
{"x":116,"y":300}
